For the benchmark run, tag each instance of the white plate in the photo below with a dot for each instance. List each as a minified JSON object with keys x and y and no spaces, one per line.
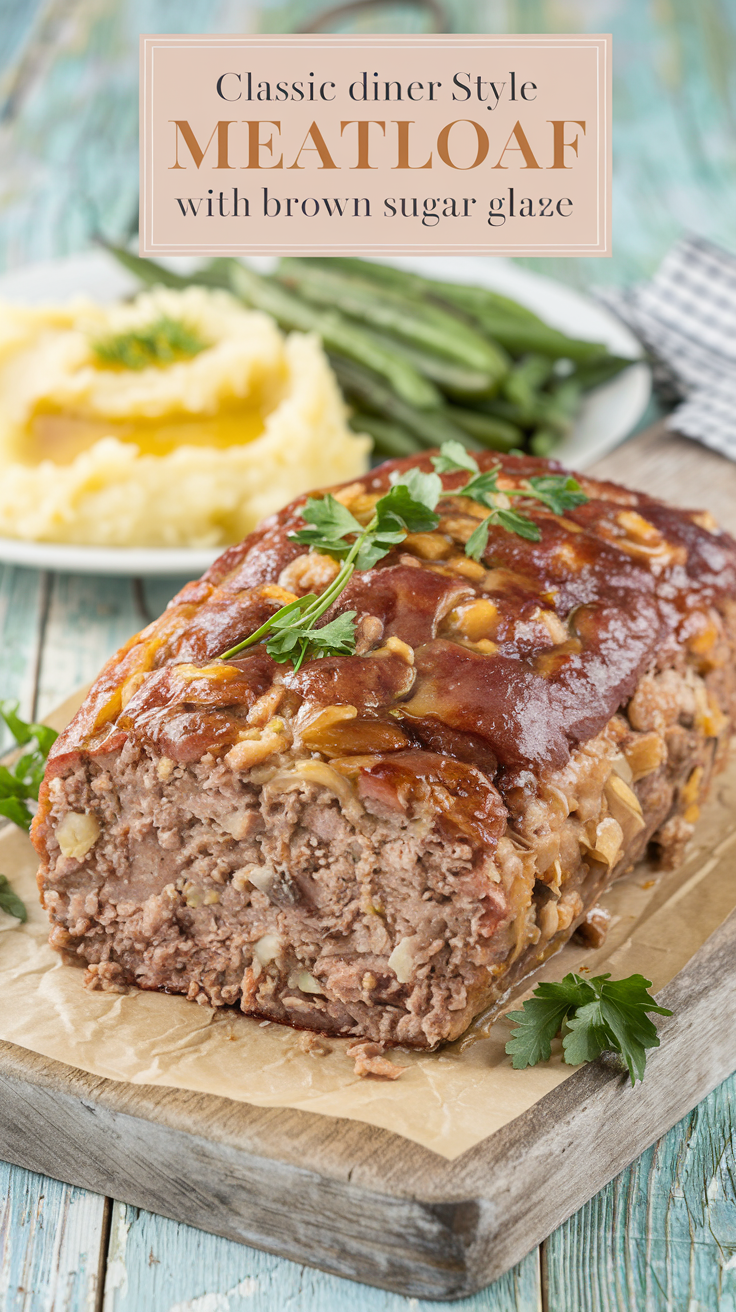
{"x":607,"y":416}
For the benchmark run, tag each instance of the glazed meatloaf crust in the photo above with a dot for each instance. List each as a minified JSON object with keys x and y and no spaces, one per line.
{"x":379,"y":844}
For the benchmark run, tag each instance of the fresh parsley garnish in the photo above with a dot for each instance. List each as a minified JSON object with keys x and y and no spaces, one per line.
{"x":596,"y":1015}
{"x":164,"y":341}
{"x":10,"y":902}
{"x":558,"y":492}
{"x":292,"y":634}
{"x":19,"y":783}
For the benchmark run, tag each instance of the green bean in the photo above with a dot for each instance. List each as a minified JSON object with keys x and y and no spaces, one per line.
{"x":508,"y":323}
{"x":448,"y":376}
{"x":519,"y":337}
{"x":429,"y":427}
{"x":512,"y":325}
{"x":147,"y":270}
{"x":495,"y":433}
{"x":596,"y":372}
{"x":339,"y":335}
{"x":423,"y":325}
{"x":522,"y":385}
{"x":500,"y":407}
{"x":463,"y":295}
{"x":543,"y":442}
{"x":561,"y":405}
{"x":388,"y":439}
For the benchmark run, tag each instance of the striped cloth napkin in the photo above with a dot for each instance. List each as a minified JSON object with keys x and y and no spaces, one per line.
{"x":686,"y":317}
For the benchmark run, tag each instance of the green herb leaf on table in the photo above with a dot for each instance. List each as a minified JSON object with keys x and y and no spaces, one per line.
{"x":596,"y":1015}
{"x":19,"y":783}
{"x":10,"y":903}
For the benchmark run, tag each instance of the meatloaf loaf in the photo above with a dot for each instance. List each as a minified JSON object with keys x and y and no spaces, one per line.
{"x":379,"y":844}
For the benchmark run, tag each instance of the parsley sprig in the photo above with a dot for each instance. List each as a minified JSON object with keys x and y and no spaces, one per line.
{"x":19,"y":783}
{"x":558,"y":492}
{"x":596,"y":1015}
{"x":333,"y":531}
{"x":162,"y":342}
{"x":292,"y":634}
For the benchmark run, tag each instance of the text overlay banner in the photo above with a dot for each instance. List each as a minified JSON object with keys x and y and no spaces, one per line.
{"x":388,"y":145}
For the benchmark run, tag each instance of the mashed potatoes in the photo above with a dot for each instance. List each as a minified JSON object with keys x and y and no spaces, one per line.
{"x":104,"y":442}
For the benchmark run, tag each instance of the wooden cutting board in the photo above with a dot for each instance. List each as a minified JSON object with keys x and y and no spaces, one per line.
{"x":362,"y":1202}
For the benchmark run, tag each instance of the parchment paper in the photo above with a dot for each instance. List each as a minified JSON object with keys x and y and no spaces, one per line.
{"x":447,"y":1101}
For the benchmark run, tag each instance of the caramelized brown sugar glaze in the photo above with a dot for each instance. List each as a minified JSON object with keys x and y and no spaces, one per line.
{"x":495,"y":680}
{"x":473,"y":688}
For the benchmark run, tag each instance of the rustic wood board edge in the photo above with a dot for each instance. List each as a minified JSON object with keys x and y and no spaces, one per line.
{"x":361,"y":1202}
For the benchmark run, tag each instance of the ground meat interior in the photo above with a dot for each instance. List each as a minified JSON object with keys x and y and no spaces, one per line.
{"x":290,"y":895}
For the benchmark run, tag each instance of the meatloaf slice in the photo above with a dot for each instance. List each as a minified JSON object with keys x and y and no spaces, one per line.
{"x":378,"y":845}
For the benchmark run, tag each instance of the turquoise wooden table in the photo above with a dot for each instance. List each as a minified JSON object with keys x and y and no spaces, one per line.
{"x":663,"y":1234}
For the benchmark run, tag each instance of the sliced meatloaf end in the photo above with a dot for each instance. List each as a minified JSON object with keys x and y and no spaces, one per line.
{"x":379,"y":845}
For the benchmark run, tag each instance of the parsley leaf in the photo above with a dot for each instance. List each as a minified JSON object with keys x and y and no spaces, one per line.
{"x":335,"y":638}
{"x":19,"y":783}
{"x":400,"y":508}
{"x":511,"y":520}
{"x":598,"y":1015}
{"x":329,"y":523}
{"x":517,"y":523}
{"x":292,"y":641}
{"x":478,"y":540}
{"x":483,"y":488}
{"x":408,"y":507}
{"x":10,"y":902}
{"x":559,"y":492}
{"x":453,"y":456}
{"x":425,"y":489}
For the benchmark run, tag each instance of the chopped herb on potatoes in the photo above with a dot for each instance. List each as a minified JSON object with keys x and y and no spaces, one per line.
{"x":162,"y":342}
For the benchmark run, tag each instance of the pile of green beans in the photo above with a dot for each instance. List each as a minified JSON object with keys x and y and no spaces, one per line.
{"x":418,"y":360}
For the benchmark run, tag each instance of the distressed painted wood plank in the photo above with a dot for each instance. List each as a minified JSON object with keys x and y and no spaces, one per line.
{"x":69,"y":142}
{"x":163,"y":1266}
{"x":154,"y":594}
{"x":17,"y":18}
{"x":662,"y":1236}
{"x":50,"y":1243}
{"x":50,"y":1232}
{"x":88,"y":619}
{"x":69,"y":147}
{"x":21,"y":608}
